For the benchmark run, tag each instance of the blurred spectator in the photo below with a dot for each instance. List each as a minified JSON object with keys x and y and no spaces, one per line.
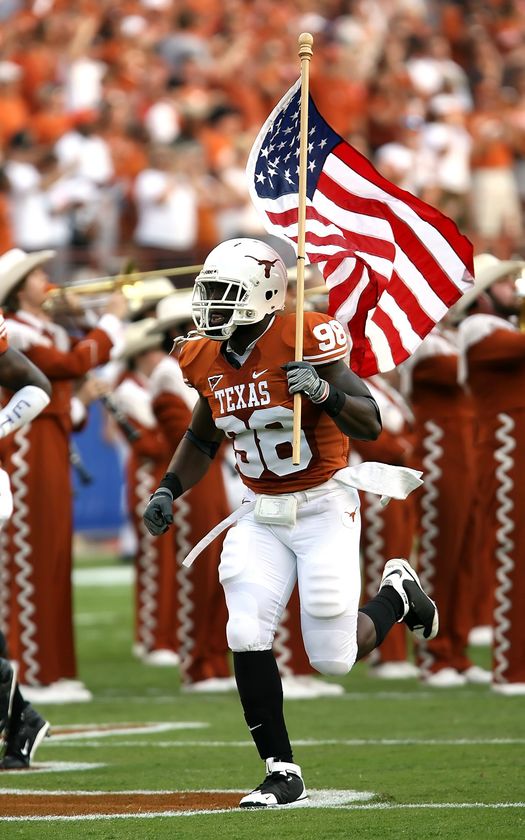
{"x":167,"y":223}
{"x":51,"y":120}
{"x":496,"y":206}
{"x":184,"y":42}
{"x":38,"y":219}
{"x":448,"y":138}
{"x":177,"y":201}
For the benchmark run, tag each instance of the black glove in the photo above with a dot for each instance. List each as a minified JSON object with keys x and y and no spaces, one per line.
{"x":304,"y":379}
{"x":158,"y":515}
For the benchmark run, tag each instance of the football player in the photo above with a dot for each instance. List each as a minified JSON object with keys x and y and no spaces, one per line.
{"x":297,"y":521}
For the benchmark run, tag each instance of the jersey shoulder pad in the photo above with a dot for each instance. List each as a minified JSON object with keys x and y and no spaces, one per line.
{"x":324,"y":339}
{"x":196,"y":358}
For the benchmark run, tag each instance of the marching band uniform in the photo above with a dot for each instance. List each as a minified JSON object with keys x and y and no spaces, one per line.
{"x":493,"y":352}
{"x":156,"y":624}
{"x":443,"y":449}
{"x":37,"y":543}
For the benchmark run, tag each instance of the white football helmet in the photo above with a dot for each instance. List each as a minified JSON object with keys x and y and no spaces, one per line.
{"x":241,"y":281}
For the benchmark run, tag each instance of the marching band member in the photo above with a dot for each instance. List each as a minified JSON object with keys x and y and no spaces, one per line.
{"x":37,"y":554}
{"x":493,"y":366}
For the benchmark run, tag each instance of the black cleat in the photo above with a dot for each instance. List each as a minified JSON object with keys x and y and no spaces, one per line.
{"x":23,"y":743}
{"x":282,"y":786}
{"x":420,"y":612}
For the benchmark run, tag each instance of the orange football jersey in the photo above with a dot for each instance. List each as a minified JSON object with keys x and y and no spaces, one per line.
{"x":254,"y":408}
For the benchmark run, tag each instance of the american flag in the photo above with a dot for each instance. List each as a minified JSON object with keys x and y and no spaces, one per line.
{"x":393,"y":264}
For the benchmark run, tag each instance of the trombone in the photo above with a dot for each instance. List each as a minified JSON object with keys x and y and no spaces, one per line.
{"x":137,"y":286}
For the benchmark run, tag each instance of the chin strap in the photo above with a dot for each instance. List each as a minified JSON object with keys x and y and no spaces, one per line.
{"x":193,"y":335}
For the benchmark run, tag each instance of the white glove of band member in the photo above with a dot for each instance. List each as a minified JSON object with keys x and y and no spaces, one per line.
{"x":22,"y":408}
{"x":304,"y":379}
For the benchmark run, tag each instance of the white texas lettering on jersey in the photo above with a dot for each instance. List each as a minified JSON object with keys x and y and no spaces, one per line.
{"x":245,"y":395}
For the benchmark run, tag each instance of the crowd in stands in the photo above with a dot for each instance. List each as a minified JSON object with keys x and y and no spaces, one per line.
{"x":125,"y":127}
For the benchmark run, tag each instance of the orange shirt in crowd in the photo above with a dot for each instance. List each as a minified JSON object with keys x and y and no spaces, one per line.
{"x":47,"y":127}
{"x":14,"y":116}
{"x":491,"y":149}
{"x":341,"y":101}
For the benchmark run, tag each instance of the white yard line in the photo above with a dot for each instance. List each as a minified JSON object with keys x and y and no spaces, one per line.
{"x":104,"y":576}
{"x":52,"y":767}
{"x":106,"y":731}
{"x":73,"y":740}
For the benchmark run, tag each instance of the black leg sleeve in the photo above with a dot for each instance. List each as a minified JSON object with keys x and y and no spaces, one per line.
{"x":384,"y":610}
{"x":261,"y":694}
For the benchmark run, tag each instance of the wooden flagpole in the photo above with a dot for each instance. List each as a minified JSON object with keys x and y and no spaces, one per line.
{"x":305,"y":54}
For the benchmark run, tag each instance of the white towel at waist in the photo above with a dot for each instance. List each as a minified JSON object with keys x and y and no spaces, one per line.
{"x":384,"y":480}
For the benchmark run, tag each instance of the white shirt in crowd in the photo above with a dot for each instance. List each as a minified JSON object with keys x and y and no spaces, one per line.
{"x":167,"y":211}
{"x":36,"y":214}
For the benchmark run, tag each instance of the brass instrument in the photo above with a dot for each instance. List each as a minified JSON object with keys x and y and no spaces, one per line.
{"x":137,"y":286}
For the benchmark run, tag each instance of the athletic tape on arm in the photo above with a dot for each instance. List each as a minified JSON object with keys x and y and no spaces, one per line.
{"x":22,"y":408}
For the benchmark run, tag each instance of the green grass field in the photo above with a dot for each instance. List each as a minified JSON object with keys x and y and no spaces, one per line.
{"x":437,"y":763}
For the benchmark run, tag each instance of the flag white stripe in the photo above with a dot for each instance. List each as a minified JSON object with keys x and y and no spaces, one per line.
{"x":380,"y":345}
{"x":428,"y":299}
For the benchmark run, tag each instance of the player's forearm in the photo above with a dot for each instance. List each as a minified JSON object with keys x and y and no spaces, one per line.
{"x":358,"y":418}
{"x":189,"y":464}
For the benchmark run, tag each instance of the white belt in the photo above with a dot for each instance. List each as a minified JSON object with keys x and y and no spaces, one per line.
{"x":384,"y":480}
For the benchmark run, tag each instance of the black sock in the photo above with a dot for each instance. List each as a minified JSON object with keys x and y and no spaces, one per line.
{"x":384,"y":610}
{"x":261,"y":694}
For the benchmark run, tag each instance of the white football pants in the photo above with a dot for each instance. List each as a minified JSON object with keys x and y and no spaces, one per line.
{"x":260,"y":564}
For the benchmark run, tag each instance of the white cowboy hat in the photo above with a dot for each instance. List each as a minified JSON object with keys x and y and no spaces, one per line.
{"x":487,"y":269}
{"x":138,"y":338}
{"x":16,"y":264}
{"x":173,"y":310}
